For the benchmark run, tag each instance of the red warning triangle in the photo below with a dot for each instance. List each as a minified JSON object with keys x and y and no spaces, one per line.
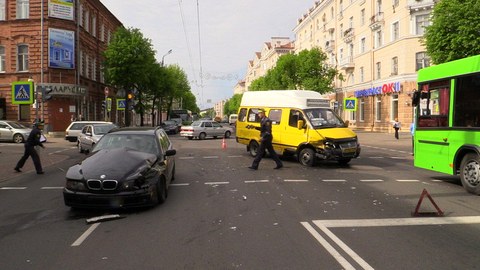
{"x":416,"y":213}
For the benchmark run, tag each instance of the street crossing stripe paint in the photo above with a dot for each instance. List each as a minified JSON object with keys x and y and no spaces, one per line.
{"x":407,"y":180}
{"x":389,"y":222}
{"x":234,"y":156}
{"x":295,"y":180}
{"x":256,"y":181}
{"x":334,"y":180}
{"x":13,"y":188}
{"x":180,"y":184}
{"x":186,"y":157}
{"x":210,"y":157}
{"x":217,"y":183}
{"x":51,"y":188}
{"x":371,"y":180}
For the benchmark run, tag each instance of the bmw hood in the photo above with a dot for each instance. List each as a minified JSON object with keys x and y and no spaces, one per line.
{"x":112,"y":163}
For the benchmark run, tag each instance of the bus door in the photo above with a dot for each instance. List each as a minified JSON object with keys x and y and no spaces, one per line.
{"x":432,"y":134}
{"x":275,"y":115}
{"x":292,"y":135}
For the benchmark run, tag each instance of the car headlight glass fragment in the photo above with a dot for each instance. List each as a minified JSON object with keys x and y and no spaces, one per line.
{"x":75,"y":185}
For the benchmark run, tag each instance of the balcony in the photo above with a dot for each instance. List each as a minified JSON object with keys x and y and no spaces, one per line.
{"x":330,"y":46}
{"x":347,"y":63}
{"x":377,"y":21}
{"x":348,"y":35}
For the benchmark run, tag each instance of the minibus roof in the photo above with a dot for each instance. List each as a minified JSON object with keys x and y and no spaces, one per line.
{"x":301,"y":99}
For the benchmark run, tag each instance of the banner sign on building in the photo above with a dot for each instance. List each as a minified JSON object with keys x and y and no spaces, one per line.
{"x":22,"y":93}
{"x":62,"y":9}
{"x":62,"y":89}
{"x":350,"y":104}
{"x":386,"y":88}
{"x":61,"y":48}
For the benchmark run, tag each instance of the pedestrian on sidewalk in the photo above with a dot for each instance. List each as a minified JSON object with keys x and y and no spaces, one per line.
{"x":265,"y":141}
{"x":397,"y":126}
{"x":34,"y":139}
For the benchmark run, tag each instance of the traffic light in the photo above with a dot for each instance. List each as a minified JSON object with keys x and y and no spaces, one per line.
{"x":104,"y":105}
{"x":130,"y":96}
{"x":46,"y":93}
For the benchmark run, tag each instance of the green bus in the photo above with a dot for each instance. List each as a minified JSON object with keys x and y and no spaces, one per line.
{"x":447,"y":120}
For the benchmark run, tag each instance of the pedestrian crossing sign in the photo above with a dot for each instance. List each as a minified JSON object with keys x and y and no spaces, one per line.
{"x":350,"y":104}
{"x":22,"y":93}
{"x":121,"y":104}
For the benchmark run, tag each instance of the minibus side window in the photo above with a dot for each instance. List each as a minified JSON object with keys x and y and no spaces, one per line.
{"x":253,"y":116}
{"x":295,"y":115}
{"x":242,"y":116}
{"x":275,"y":116}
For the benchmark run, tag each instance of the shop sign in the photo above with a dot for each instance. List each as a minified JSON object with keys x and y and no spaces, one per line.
{"x":387,"y":88}
{"x":60,"y":89}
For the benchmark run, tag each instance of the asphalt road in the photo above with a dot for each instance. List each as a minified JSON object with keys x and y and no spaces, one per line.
{"x":221,"y":215}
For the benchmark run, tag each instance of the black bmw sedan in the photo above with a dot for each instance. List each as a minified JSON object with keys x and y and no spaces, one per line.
{"x":128,"y":167}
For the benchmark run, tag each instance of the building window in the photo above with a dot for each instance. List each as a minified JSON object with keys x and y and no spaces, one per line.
{"x":395,"y":31}
{"x":80,"y":20}
{"x":396,"y":3}
{"x":102,"y":32}
{"x":362,"y":45}
{"x":82,"y":66}
{"x":2,"y":10}
{"x":352,"y":79}
{"x":379,"y":6}
{"x":23,"y":7}
{"x":351,"y":22}
{"x":394,"y":66}
{"x":94,"y":69}
{"x":94,"y":25}
{"x":394,"y":107}
{"x":22,"y":58}
{"x":422,"y":60}
{"x":341,"y":8}
{"x":87,"y":21}
{"x":2,"y":59}
{"x":332,"y":13}
{"x":362,"y":17}
{"x":361,"y":110}
{"x":378,"y":66}
{"x":378,"y":108}
{"x":362,"y":74}
{"x":421,"y":21}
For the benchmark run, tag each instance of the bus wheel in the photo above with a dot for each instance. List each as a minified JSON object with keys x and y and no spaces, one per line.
{"x":253,"y":148}
{"x":470,"y":173}
{"x":307,"y":157}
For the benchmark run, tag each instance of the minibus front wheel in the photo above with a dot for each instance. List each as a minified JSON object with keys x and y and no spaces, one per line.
{"x":306,"y":157}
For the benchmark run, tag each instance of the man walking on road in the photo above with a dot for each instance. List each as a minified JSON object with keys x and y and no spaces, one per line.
{"x":33,"y":140}
{"x":265,"y":141}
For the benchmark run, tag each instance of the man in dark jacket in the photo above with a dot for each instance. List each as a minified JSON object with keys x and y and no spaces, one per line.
{"x":265,"y":141}
{"x":32,"y":141}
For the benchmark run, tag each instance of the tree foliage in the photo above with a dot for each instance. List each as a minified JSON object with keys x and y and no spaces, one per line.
{"x":232,"y":105}
{"x":306,"y":70}
{"x":454,"y":32}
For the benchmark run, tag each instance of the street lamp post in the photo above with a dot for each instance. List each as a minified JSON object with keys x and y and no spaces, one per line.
{"x":163,"y":57}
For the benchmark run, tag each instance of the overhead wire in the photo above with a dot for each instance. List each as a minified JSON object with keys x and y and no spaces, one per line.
{"x":200,"y":50}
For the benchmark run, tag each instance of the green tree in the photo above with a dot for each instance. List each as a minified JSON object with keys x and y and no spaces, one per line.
{"x":128,"y":60}
{"x":307,"y":70}
{"x":232,"y":105}
{"x":454,"y":32}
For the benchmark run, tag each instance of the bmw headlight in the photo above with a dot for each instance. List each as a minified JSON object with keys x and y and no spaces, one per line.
{"x":75,"y":185}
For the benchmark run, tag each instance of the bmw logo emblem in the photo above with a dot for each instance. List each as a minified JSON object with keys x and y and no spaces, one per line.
{"x":102,"y":176}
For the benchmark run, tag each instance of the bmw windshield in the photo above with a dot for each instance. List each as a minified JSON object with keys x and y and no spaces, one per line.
{"x":323,"y":118}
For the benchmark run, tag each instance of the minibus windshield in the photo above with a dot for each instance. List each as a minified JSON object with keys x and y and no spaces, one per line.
{"x":323,"y":118}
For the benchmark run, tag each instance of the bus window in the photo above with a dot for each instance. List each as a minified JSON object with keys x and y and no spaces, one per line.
{"x":467,"y":95}
{"x":242,"y":115}
{"x":275,"y":115}
{"x":434,"y":104}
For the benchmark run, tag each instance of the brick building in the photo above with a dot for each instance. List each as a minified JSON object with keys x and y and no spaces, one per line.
{"x":58,"y":45}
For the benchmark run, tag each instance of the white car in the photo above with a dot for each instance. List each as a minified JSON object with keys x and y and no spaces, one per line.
{"x":72,"y":131}
{"x":13,"y":131}
{"x":205,"y":128}
{"x":91,"y":134}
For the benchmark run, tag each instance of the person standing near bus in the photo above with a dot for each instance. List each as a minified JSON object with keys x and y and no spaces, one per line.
{"x":396,"y":125}
{"x":265,"y":141}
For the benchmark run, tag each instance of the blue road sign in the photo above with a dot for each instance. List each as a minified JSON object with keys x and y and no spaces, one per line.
{"x":350,"y":104}
{"x":121,"y":104}
{"x":22,"y":93}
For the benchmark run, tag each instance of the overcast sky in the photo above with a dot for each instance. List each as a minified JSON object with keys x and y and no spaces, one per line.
{"x":231,"y":31}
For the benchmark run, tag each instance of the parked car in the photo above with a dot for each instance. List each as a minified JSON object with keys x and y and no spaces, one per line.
{"x":91,"y":134}
{"x":72,"y":131}
{"x":13,"y":131}
{"x":128,"y":167}
{"x":205,"y":128}
{"x":170,"y":126}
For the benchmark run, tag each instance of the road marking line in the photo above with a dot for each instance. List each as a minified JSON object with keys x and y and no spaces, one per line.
{"x":84,"y":236}
{"x":390,"y":222}
{"x":217,"y":183}
{"x":51,"y":188}
{"x":186,"y":157}
{"x":375,"y":157}
{"x":180,"y":184}
{"x":13,"y":188}
{"x":437,"y":180}
{"x":334,"y":180}
{"x":398,"y":158}
{"x":340,"y":259}
{"x":210,"y":157}
{"x":256,"y":181}
{"x":371,"y":180}
{"x":234,"y":156}
{"x":295,"y":180}
{"x":407,"y":180}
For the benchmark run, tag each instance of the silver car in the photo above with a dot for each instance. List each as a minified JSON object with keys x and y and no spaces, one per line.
{"x":90,"y":135}
{"x":13,"y":131}
{"x":205,"y":128}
